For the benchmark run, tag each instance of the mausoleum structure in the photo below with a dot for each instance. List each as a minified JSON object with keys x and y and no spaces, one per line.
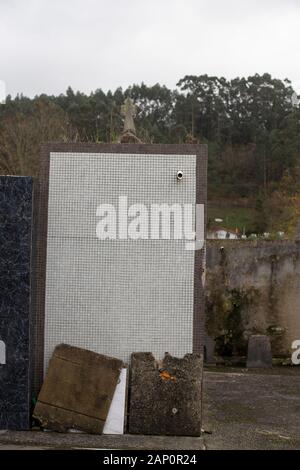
{"x":114,"y":277}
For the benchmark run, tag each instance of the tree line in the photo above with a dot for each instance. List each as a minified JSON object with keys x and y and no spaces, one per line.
{"x":251,"y":126}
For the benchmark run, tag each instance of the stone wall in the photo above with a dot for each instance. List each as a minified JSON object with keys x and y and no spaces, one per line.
{"x":253,"y":287}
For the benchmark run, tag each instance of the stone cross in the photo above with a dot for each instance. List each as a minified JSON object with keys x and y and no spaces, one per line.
{"x":128,"y":110}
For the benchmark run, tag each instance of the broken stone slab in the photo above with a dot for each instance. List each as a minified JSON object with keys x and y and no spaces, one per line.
{"x":166,"y":397}
{"x":259,"y":352}
{"x":77,"y":390}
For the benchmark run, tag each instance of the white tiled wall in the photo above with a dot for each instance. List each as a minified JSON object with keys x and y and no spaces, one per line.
{"x":117,"y":296}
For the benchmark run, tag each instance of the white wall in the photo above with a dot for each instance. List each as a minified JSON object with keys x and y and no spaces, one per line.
{"x":117,"y":296}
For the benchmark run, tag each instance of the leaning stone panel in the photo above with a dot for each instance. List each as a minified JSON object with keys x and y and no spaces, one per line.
{"x":78,"y":390}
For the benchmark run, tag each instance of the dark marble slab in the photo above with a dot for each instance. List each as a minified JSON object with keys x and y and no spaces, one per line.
{"x":16,"y":209}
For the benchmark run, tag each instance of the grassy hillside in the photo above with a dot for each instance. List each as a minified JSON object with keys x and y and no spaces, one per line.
{"x":233,"y":217}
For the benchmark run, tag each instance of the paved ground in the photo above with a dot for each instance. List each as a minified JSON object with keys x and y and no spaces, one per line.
{"x":53,"y":440}
{"x":242,"y":410}
{"x":252,"y":409}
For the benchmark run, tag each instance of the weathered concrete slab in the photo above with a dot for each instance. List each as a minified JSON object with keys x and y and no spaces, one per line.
{"x":77,"y":390}
{"x":16,"y":214}
{"x":259,"y":352}
{"x":165,"y":398}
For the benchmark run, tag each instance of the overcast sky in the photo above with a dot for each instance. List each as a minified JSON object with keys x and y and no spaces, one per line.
{"x":47,"y":45}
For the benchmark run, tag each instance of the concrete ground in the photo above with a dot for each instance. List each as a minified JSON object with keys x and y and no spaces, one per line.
{"x":242,"y":409}
{"x":53,"y":440}
{"x":255,"y":409}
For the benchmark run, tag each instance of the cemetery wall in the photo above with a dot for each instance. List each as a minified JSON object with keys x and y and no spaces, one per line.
{"x":253,"y":287}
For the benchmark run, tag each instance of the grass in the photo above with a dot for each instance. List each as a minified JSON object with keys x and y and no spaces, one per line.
{"x":233,"y":217}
